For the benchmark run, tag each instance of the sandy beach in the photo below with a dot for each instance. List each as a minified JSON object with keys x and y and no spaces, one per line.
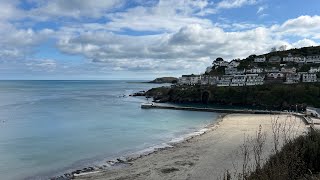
{"x":207,"y":156}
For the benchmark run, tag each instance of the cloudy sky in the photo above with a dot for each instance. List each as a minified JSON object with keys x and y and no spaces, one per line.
{"x":143,"y":39}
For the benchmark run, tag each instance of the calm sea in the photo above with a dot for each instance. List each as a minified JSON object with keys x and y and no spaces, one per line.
{"x":50,"y":127}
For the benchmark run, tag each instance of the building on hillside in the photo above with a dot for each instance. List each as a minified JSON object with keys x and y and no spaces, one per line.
{"x":275,"y":77}
{"x":309,"y":77}
{"x":271,"y":70}
{"x":260,"y":59}
{"x":313,"y":59}
{"x":189,"y":79}
{"x":254,"y":70}
{"x":254,"y":79}
{"x":233,"y":71}
{"x":220,"y":63}
{"x":274,"y":59}
{"x":234,"y":64}
{"x":314,"y":70}
{"x":292,"y":78}
{"x":291,"y":58}
{"x":209,"y":80}
{"x":238,"y":80}
{"x":224,"y":80}
{"x":288,"y":70}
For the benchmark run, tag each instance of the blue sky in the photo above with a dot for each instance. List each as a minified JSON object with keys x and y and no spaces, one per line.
{"x":144,"y":39}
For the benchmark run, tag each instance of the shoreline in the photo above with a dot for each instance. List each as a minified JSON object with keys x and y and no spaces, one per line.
{"x":199,"y":157}
{"x":126,"y":159}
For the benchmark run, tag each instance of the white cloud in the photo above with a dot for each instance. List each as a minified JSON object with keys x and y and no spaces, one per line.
{"x":303,"y":26}
{"x":166,"y":15}
{"x":229,"y":4}
{"x":261,"y":9}
{"x":73,"y":8}
{"x":304,"y":43}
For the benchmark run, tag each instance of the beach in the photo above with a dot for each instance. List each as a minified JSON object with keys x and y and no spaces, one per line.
{"x":207,"y":156}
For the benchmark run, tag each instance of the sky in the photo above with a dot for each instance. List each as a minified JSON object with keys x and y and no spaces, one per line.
{"x":144,"y":39}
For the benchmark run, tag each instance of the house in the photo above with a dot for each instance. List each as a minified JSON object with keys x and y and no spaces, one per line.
{"x":275,"y":77}
{"x":314,"y":70}
{"x":291,"y":58}
{"x":254,"y":79}
{"x":288,"y":70}
{"x":314,"y":112}
{"x":309,"y":77}
{"x":238,"y":80}
{"x":233,"y":64}
{"x":260,"y":59}
{"x":274,"y":59}
{"x":209,"y":80}
{"x":254,"y":70}
{"x":224,"y":80}
{"x":271,"y":70}
{"x":189,"y":79}
{"x":233,"y":71}
{"x":220,"y":63}
{"x":313,"y":59}
{"x":292,"y":78}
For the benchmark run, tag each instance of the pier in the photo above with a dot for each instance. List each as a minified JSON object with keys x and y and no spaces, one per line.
{"x":217,"y":110}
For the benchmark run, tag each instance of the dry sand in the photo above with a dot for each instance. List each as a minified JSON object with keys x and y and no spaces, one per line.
{"x":206,"y":156}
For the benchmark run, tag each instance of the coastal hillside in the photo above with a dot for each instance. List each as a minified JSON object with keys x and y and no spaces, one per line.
{"x":272,"y":96}
{"x":285,"y":79}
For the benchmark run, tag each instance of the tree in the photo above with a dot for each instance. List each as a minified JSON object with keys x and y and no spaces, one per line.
{"x":283,"y":48}
{"x":273,"y":49}
{"x":219,"y":59}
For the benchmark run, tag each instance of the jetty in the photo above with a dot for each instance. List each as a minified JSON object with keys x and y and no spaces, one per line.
{"x":205,"y":109}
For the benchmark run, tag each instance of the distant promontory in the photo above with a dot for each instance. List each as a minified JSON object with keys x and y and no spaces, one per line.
{"x":162,"y":80}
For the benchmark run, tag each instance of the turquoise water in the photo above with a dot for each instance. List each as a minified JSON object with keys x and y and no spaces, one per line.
{"x":49,"y":127}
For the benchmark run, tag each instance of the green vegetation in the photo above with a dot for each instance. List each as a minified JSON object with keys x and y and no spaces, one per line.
{"x":298,"y":159}
{"x":271,"y":96}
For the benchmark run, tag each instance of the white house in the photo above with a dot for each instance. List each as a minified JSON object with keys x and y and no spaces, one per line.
{"x":309,"y":77}
{"x":275,"y":75}
{"x":288,"y":70}
{"x":189,"y":79}
{"x":233,"y":71}
{"x":254,"y":70}
{"x":254,"y":79}
{"x":274,"y":59}
{"x":292,"y":78}
{"x":314,"y":70}
{"x":233,"y":64}
{"x":224,"y":80}
{"x":291,"y":58}
{"x":260,"y":59}
{"x":209,"y":80}
{"x":313,"y":59}
{"x":238,"y":80}
{"x":220,"y":63}
{"x":272,"y":70}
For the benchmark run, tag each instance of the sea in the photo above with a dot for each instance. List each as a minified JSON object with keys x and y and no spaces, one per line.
{"x":51,"y":127}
